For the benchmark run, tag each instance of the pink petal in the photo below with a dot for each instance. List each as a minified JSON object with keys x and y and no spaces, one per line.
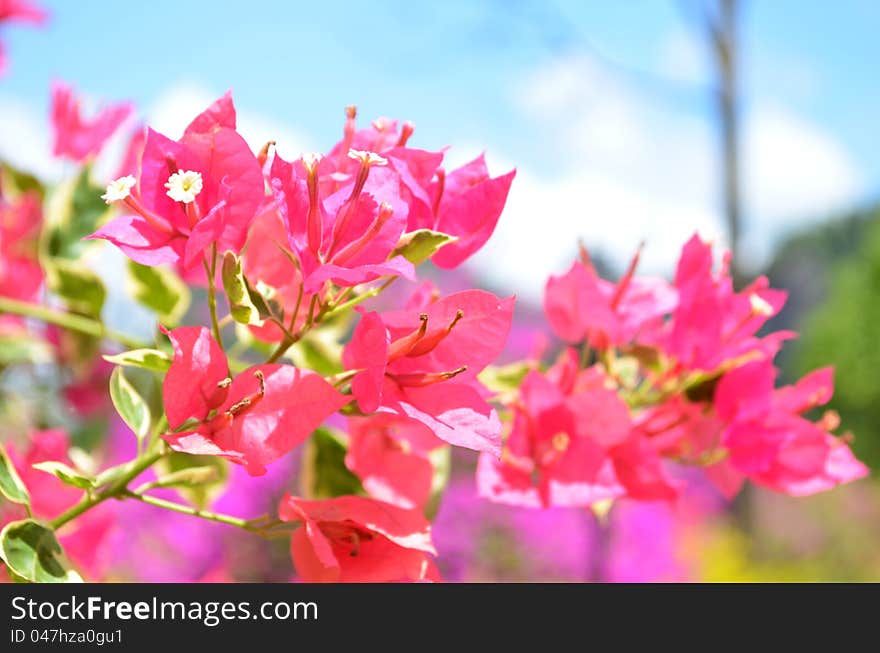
{"x":140,"y":241}
{"x":368,"y":351}
{"x":455,"y":412}
{"x":220,"y":114}
{"x":475,"y":341}
{"x":295,"y":404}
{"x":470,"y":213}
{"x":347,"y":277}
{"x":190,"y":387}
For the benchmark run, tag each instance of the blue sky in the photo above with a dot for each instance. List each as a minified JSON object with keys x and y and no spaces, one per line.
{"x":603,"y":106}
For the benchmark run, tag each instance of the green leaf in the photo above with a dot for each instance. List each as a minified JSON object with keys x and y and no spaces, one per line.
{"x":129,"y":404}
{"x":11,"y":485}
{"x":31,"y":551}
{"x":318,"y":353}
{"x":80,"y":288}
{"x":160,"y":290}
{"x":21,"y":181}
{"x":420,"y":245}
{"x":504,"y":378}
{"x":189,"y":477}
{"x":626,"y":369}
{"x":148,"y":359}
{"x":21,"y":348}
{"x":441,"y":460}
{"x":76,"y":210}
{"x":243,"y":305}
{"x":67,"y":474}
{"x":323,"y":473}
{"x":182,"y":466}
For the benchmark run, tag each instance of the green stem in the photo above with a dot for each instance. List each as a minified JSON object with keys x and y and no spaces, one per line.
{"x":290,"y":339}
{"x":70,"y":321}
{"x":211,"y":271}
{"x":189,"y":510}
{"x":323,"y":313}
{"x":375,"y":292}
{"x":262,"y":526}
{"x":116,"y":488}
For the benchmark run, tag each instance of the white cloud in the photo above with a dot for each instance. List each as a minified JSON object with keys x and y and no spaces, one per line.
{"x":794,"y":173}
{"x":682,"y":56}
{"x":629,"y":168}
{"x":25,"y":140}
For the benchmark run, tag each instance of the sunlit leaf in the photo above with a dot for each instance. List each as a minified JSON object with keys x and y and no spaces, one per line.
{"x":66,"y":474}
{"x":32,"y":552}
{"x":323,"y":472}
{"x":148,"y":359}
{"x":132,"y":408}
{"x":11,"y":485}
{"x":23,"y":348}
{"x":189,"y":477}
{"x":420,"y":245}
{"x":188,"y":469}
{"x":318,"y":353}
{"x":75,"y":210}
{"x":160,"y":290}
{"x":79,"y":287}
{"x":504,"y":378}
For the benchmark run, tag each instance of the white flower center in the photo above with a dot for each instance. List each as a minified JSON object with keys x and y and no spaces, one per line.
{"x":184,"y":186}
{"x":119,"y":189}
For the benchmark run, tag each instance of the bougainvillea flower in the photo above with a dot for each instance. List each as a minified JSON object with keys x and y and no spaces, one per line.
{"x":399,"y":358}
{"x":408,"y":171}
{"x":581,"y":306}
{"x":769,"y":441}
{"x":86,"y":541}
{"x":568,"y":429}
{"x":253,"y":419}
{"x":390,"y":454}
{"x":76,"y":137}
{"x":356,"y":539}
{"x":465,"y":203}
{"x":712,"y":324}
{"x":203,"y":189}
{"x":348,"y":236}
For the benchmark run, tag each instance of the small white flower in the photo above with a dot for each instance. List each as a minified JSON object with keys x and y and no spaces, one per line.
{"x":760,"y":306}
{"x":184,"y":186}
{"x":370,"y":158}
{"x":119,"y":189}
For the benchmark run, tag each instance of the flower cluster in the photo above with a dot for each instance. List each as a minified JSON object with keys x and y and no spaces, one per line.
{"x":297,"y":351}
{"x":658,"y":375}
